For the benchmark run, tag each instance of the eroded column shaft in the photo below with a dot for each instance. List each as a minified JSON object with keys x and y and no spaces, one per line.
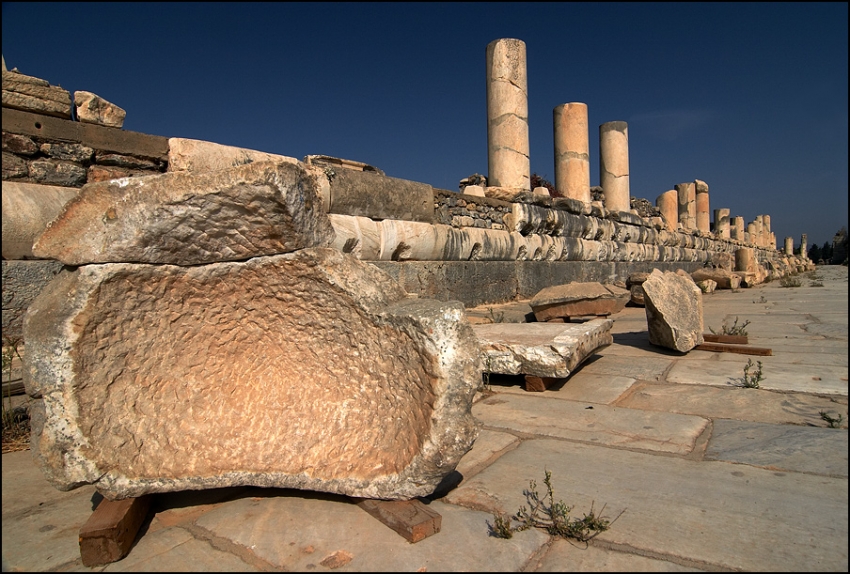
{"x":572,"y":157}
{"x":614,"y":165}
{"x":702,"y":206}
{"x":668,"y":204}
{"x":507,"y":115}
{"x":721,"y":223}
{"x":687,"y":205}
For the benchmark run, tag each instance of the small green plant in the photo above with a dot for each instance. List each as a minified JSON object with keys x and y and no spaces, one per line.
{"x":496,"y":317}
{"x":735,"y":329}
{"x":751,"y":380}
{"x":816,"y":284}
{"x":553,"y":517}
{"x":790,"y":281}
{"x":16,"y":428}
{"x":833,"y":423}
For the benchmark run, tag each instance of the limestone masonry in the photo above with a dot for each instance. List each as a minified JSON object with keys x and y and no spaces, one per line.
{"x":197,"y":315}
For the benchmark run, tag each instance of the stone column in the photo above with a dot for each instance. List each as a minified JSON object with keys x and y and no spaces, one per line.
{"x":744,"y":259}
{"x":687,"y":205}
{"x":804,"y":247}
{"x":572,"y":157}
{"x":752,"y":233}
{"x":760,"y":238}
{"x":507,"y":115}
{"x":766,"y":221}
{"x":614,"y":165}
{"x":668,"y":204}
{"x":701,"y":205}
{"x":772,"y":240}
{"x":789,"y":246}
{"x":721,"y":223}
{"x":739,"y":229}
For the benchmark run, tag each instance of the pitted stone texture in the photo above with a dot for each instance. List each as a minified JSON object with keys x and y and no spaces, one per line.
{"x":574,"y":300}
{"x":31,"y":94}
{"x":253,"y":210}
{"x":92,"y":109}
{"x":541,"y":349}
{"x":308,"y":370}
{"x":673,"y":310}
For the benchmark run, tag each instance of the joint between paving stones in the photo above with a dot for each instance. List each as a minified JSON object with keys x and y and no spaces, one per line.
{"x":227,"y":546}
{"x":686,"y":562}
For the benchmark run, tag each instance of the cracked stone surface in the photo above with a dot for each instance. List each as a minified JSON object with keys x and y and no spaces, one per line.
{"x":308,"y":370}
{"x":263,"y":208}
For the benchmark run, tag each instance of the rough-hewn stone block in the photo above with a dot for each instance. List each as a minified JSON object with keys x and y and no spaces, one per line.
{"x":308,"y":370}
{"x":190,"y":218}
{"x":27,"y":209}
{"x":673,"y":310}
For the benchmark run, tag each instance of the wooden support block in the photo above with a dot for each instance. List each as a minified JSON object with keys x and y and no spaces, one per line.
{"x":734,"y":339}
{"x":534,"y":384}
{"x":110,"y":531}
{"x":740,"y":349}
{"x":410,"y":518}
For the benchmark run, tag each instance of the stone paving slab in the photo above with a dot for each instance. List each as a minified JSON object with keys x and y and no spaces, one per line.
{"x":802,"y":378}
{"x":580,"y":386}
{"x":649,"y":368}
{"x":487,"y":447}
{"x":734,"y":403}
{"x":713,"y":514}
{"x":600,"y":424}
{"x":296,"y":532}
{"x":780,"y":447}
{"x":567,"y":556}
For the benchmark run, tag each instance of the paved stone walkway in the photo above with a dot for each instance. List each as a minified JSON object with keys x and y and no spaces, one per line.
{"x":708,"y":475}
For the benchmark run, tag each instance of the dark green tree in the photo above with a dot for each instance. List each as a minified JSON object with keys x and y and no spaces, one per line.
{"x":814,"y":253}
{"x":826,"y":251}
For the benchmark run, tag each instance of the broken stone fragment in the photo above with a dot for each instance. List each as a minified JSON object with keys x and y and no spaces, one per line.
{"x":540,"y":349}
{"x":92,"y":109}
{"x":574,"y":300}
{"x":252,"y":210}
{"x":32,"y":94}
{"x":673,"y":310}
{"x":308,"y":370}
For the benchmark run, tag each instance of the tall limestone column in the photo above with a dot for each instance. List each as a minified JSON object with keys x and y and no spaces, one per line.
{"x":687,"y":205}
{"x":614,"y":165}
{"x":507,"y":115}
{"x":739,"y":229}
{"x":752,"y":233}
{"x":721,"y":223}
{"x":789,"y":246}
{"x":804,"y":246}
{"x":703,"y":221}
{"x":572,"y":157}
{"x":668,"y":204}
{"x":760,"y":236}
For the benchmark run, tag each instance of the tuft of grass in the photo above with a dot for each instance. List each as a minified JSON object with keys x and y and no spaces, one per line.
{"x":832,"y":423}
{"x":496,"y":317}
{"x":553,"y":517}
{"x":735,"y":329}
{"x":16,"y":427}
{"x":790,"y":281}
{"x":751,"y":380}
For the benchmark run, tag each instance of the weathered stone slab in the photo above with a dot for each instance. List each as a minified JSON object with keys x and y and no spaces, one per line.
{"x":673,"y":310}
{"x":724,"y":278}
{"x":259,"y":209}
{"x":32,"y":94}
{"x":541,"y":349}
{"x":308,"y":370}
{"x":199,"y":156}
{"x":93,"y":109}
{"x":574,"y":300}
{"x":27,"y":209}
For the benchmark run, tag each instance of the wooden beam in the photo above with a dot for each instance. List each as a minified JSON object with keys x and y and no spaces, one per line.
{"x":410,"y":518}
{"x":734,"y":339}
{"x":535,"y":384}
{"x":110,"y":531}
{"x":740,"y":349}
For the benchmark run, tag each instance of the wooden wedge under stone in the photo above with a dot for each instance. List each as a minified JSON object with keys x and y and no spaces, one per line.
{"x":410,"y":518}
{"x":110,"y":531}
{"x":309,"y":370}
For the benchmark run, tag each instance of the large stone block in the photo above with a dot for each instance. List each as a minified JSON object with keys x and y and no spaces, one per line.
{"x":673,"y":310}
{"x":252,"y":210}
{"x":93,"y":109}
{"x":22,"y":282}
{"x":32,"y":94}
{"x":574,"y":300}
{"x":308,"y":370}
{"x":541,"y":349}
{"x":198,"y":156}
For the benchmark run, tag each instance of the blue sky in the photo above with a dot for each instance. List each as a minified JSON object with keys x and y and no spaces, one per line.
{"x":749,"y":97}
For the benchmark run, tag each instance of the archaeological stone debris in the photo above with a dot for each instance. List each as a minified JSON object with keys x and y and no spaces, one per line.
{"x":197,"y":315}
